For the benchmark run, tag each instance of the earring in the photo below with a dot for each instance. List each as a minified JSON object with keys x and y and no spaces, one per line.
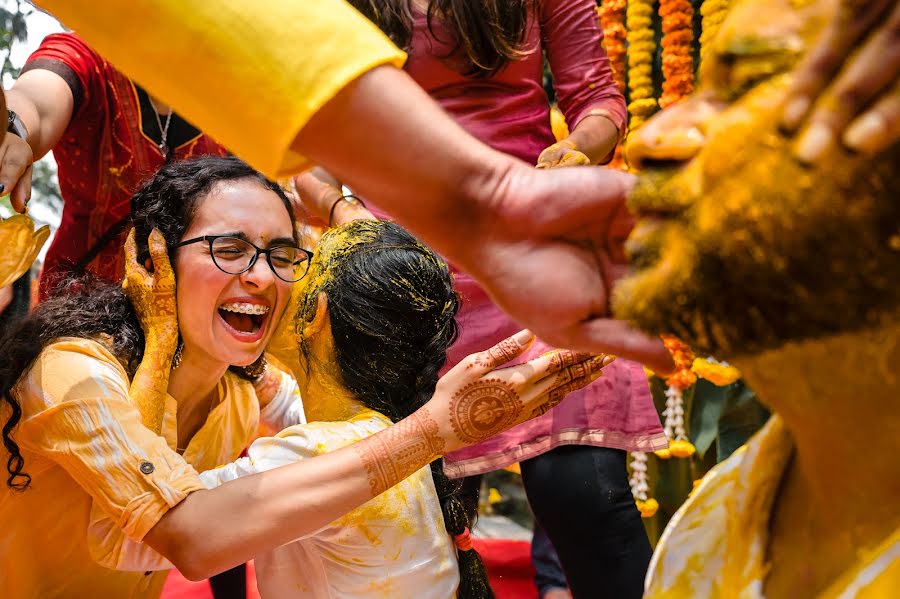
{"x":176,"y":359}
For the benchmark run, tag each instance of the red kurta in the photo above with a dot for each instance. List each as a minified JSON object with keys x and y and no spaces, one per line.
{"x":103,"y":157}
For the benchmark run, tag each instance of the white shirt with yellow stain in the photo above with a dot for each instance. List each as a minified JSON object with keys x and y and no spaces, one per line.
{"x":395,"y":545}
{"x":715,"y":545}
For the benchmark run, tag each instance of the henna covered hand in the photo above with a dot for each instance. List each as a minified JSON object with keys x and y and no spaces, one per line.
{"x":152,"y":294}
{"x":153,"y":298}
{"x":485,"y":399}
{"x":476,"y":400}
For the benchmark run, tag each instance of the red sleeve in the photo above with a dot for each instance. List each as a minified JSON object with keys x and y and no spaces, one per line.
{"x":71,"y":58}
{"x":582,"y":76}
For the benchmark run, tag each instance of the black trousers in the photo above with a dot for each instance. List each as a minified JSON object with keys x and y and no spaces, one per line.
{"x":580,"y":496}
{"x":230,"y":584}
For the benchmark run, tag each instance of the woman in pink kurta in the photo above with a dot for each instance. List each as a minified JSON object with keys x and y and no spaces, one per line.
{"x":580,"y":492}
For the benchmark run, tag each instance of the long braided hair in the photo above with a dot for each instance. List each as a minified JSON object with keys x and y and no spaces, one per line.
{"x":392,"y":306}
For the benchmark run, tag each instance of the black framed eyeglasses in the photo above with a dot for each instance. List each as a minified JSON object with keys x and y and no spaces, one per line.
{"x":234,"y":256}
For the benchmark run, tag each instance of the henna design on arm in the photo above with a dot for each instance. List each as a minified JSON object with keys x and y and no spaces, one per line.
{"x":393,"y":454}
{"x":482,"y":409}
{"x":571,"y":378}
{"x":496,"y":356}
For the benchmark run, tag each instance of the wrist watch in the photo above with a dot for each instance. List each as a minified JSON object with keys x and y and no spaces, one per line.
{"x":15,"y":125}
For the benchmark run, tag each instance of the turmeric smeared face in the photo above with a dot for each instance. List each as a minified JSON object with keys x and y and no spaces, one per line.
{"x":739,"y":248}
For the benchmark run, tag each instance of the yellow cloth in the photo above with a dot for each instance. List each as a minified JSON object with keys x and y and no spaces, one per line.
{"x":715,"y":546}
{"x":99,"y":478}
{"x":248,"y":74}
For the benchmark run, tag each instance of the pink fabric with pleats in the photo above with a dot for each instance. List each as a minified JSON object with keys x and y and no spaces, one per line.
{"x":511,"y":113}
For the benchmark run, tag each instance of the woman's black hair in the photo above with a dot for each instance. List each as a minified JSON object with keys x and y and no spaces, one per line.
{"x":392,"y":305}
{"x":90,"y":308}
{"x":487,"y":34}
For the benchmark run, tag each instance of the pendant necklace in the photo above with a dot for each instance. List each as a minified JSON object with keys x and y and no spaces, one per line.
{"x":163,"y":130}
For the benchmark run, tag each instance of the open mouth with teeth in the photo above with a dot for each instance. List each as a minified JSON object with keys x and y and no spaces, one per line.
{"x":243,"y":317}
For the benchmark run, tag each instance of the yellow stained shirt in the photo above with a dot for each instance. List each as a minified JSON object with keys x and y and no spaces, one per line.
{"x":716,"y":544}
{"x":395,"y":545}
{"x":100,"y":479}
{"x":248,"y":74}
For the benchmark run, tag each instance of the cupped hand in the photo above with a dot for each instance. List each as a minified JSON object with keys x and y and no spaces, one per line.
{"x":847,"y":87}
{"x":478,"y":399}
{"x":562,"y":153}
{"x":16,"y":159}
{"x":152,"y":293}
{"x":549,"y":259}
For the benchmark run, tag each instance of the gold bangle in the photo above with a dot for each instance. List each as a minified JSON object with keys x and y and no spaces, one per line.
{"x":349,"y":198}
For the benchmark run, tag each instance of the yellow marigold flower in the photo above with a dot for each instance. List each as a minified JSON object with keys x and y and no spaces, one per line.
{"x":647,"y":508}
{"x":494,"y":496}
{"x":665,"y":453}
{"x":558,"y":124}
{"x":717,"y":373}
{"x":682,"y":448}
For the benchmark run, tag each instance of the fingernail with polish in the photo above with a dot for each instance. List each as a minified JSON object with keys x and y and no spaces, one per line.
{"x":794,"y":111}
{"x":814,"y":142}
{"x":864,"y":134}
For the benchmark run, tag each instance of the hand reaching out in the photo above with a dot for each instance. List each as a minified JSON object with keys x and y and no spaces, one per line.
{"x":475,"y":400}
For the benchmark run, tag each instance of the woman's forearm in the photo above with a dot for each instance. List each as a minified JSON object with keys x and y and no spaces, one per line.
{"x":280,"y":505}
{"x":44,"y":102}
{"x":595,"y":136}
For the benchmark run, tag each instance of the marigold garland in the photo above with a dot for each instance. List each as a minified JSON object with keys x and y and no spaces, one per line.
{"x":611,"y":14}
{"x":684,"y":360}
{"x":641,"y":49}
{"x":677,"y":44}
{"x":713,"y":13}
{"x":717,"y":373}
{"x":639,"y":485}
{"x":673,"y":416}
{"x":612,"y":21}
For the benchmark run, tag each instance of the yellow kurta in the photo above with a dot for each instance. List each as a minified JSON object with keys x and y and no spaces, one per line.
{"x":249,"y":74}
{"x":99,"y":478}
{"x":715,"y":546}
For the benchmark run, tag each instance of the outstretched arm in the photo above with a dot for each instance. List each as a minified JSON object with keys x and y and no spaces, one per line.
{"x":472,"y":402}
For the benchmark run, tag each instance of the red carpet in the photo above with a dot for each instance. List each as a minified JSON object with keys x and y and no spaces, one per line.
{"x":508,"y":565}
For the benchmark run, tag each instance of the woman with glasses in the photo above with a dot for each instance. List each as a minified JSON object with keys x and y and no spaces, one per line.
{"x":113,"y":398}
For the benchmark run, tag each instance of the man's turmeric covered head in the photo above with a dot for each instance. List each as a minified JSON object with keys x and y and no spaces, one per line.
{"x":739,"y":248}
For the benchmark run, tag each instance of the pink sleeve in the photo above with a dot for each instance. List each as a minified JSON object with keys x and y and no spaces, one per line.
{"x":582,"y":76}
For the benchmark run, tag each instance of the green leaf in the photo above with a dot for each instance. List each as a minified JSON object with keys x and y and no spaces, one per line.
{"x":742,"y":416}
{"x":709,"y":400}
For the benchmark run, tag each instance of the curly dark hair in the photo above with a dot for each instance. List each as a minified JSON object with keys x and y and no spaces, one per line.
{"x":90,"y":308}
{"x":488,"y":34}
{"x":392,"y":308}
